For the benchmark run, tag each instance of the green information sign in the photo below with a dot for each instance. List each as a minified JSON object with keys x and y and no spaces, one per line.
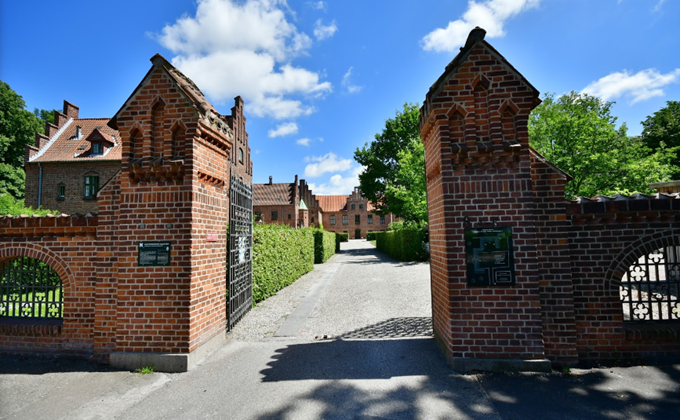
{"x":490,"y":260}
{"x":153,"y":254}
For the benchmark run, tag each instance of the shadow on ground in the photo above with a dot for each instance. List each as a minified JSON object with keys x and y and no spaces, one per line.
{"x":404,"y":327}
{"x":643,"y":392}
{"x":361,"y":379}
{"x":36,"y":365}
{"x":373,"y":256}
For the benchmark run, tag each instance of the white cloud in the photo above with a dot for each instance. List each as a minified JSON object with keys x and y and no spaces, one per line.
{"x":303,"y":142}
{"x":283,"y":130}
{"x":322,"y":31}
{"x":657,"y":8}
{"x":347,"y":83}
{"x":219,"y":49}
{"x":318,"y":5}
{"x":326,"y":163}
{"x":490,"y":15}
{"x":637,"y":87}
{"x":337,"y":184}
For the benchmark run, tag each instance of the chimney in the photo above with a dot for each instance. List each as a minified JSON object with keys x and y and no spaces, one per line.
{"x":71,"y":110}
{"x":79,"y":132}
{"x":296,"y":179}
{"x":270,"y":180}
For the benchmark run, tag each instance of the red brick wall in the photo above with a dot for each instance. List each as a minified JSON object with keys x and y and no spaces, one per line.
{"x":478,"y":165}
{"x":72,"y":176}
{"x":68,"y":245}
{"x":605,"y":239}
{"x":554,"y":270}
{"x":351,"y":225}
{"x":282,"y":214}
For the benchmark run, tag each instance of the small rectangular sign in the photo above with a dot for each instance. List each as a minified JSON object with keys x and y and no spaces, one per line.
{"x":151,"y":254}
{"x":211,"y":237}
{"x":490,"y":256}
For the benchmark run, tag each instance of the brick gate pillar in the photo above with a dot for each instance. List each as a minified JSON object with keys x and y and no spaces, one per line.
{"x":167,"y":221}
{"x":478,"y":169}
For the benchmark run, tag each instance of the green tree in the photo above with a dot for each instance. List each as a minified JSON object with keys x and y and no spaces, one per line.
{"x":661,"y":131}
{"x":578,"y":134}
{"x":17,"y":129}
{"x":394,"y":175}
{"x":45,"y":115}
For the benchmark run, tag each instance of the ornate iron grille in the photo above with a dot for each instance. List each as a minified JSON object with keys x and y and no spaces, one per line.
{"x":650,"y":289}
{"x":30,"y":289}
{"x":240,"y":277}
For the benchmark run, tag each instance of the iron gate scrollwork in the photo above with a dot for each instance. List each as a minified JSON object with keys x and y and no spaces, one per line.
{"x":650,"y":289}
{"x":30,"y":289}
{"x":240,"y":251}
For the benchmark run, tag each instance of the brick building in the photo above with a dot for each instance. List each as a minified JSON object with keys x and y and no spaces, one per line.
{"x":291,"y":204}
{"x":71,"y":161}
{"x":352,"y":214}
{"x":76,"y":157}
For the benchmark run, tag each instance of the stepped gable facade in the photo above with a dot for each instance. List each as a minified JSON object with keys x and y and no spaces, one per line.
{"x":292,"y":204}
{"x":352,"y":214}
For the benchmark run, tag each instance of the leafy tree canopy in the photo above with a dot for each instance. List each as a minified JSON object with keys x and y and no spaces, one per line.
{"x":46,"y":115}
{"x":578,"y":134}
{"x":17,"y":129}
{"x":662,"y":131}
{"x":394,"y":175}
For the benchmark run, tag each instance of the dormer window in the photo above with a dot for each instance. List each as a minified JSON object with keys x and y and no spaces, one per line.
{"x":97,"y":148}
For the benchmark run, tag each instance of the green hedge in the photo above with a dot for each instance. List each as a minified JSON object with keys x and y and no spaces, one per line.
{"x":324,"y":245}
{"x":340,"y":237}
{"x":370,"y":236}
{"x":403,"y":245}
{"x":281,"y":255}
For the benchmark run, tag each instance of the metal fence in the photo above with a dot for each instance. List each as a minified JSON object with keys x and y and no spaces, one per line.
{"x":30,"y":289}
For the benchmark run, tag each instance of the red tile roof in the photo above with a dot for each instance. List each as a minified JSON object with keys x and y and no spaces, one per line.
{"x":330,"y":203}
{"x":65,"y":147}
{"x":273,"y":194}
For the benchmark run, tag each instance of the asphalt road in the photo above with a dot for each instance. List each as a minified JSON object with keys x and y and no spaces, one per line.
{"x":351,"y":340}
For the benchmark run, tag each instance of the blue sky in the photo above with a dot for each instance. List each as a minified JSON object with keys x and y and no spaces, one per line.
{"x":320,"y":78}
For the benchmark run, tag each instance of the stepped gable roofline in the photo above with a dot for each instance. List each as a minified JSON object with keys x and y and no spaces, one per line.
{"x":67,"y":146}
{"x":475,"y":37}
{"x":332,"y":203}
{"x":547,"y":162}
{"x":189,"y":90}
{"x":275,"y":194}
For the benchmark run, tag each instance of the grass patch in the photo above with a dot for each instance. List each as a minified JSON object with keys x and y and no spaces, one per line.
{"x":145,"y":370}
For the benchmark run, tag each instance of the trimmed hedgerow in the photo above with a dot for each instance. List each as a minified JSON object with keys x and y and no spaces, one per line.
{"x":281,"y":255}
{"x":370,"y":236}
{"x":340,"y":237}
{"x":324,"y":245}
{"x":404,"y":244}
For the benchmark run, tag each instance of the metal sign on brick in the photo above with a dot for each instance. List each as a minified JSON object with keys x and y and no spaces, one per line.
{"x":151,"y":254}
{"x":490,"y":257}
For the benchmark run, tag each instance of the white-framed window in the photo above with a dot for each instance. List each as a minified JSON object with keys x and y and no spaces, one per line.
{"x":344,"y":219}
{"x":91,"y":186}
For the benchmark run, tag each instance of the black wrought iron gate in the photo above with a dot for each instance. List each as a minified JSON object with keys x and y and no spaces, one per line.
{"x":240,"y":276}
